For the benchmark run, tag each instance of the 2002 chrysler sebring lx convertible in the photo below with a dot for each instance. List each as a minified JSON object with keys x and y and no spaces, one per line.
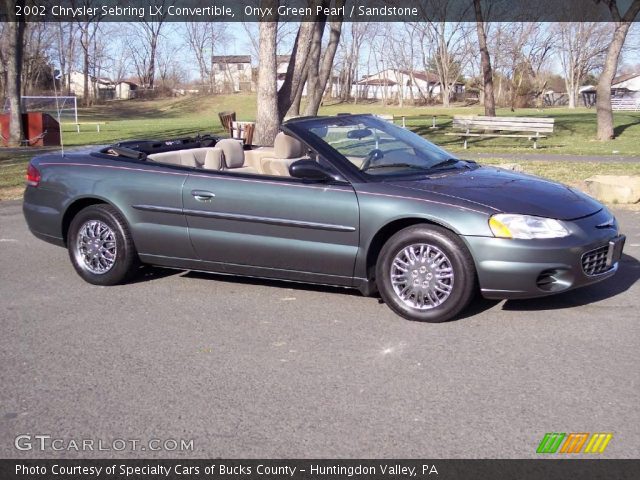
{"x":350,"y":200}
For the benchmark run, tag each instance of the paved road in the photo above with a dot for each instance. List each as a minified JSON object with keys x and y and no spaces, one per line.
{"x":255,"y":369}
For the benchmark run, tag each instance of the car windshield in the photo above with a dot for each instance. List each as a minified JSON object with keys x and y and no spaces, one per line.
{"x":378,"y":147}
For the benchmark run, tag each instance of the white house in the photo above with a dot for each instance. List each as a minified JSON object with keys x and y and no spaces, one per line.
{"x":232,"y":73}
{"x":102,"y":87}
{"x":282,"y":62}
{"x":393,"y":84}
{"x":626,"y":85}
{"x":125,"y":90}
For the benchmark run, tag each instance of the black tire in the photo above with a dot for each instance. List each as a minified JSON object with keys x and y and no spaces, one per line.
{"x":123,"y":265}
{"x":461,"y":286}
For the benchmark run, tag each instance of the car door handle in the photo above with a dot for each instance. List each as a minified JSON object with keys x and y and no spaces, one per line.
{"x":202,"y":195}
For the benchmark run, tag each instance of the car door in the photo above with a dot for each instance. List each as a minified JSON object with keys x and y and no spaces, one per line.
{"x":274,"y":227}
{"x":149,"y":195}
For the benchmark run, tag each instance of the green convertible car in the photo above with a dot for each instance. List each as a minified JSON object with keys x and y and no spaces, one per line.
{"x":351,"y":200}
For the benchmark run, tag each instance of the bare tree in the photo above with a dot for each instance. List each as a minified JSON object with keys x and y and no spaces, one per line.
{"x":64,"y":51}
{"x":203,"y":38}
{"x":447,"y":52}
{"x":285,"y":33}
{"x":603,"y":93}
{"x":145,"y":51}
{"x":169,"y":68}
{"x":12,"y":48}
{"x":298,"y":59}
{"x":348,"y":56}
{"x":120,"y":60}
{"x":88,"y":27}
{"x":319,"y":68}
{"x":267,"y":117}
{"x":582,"y":48}
{"x":487,"y":73}
{"x":36,"y":67}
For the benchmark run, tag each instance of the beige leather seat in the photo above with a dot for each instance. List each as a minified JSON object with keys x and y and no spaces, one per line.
{"x":253,"y":156}
{"x":209,"y":158}
{"x":233,"y":156}
{"x":286,"y":150}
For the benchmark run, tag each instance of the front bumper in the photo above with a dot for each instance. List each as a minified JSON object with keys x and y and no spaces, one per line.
{"x":509,"y":268}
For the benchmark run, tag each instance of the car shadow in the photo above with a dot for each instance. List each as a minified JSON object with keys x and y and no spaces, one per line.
{"x":627,"y":275}
{"x":148,"y":273}
{"x":270,"y":283}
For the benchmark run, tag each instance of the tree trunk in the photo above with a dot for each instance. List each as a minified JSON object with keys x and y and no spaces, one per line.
{"x":603,"y":91}
{"x":487,"y":73}
{"x":318,"y":83}
{"x":444,"y":91}
{"x":294,"y":111}
{"x":86,"y":96}
{"x":297,"y":61}
{"x":313,"y":64}
{"x":571,"y":91}
{"x":15,"y":32}
{"x":267,"y":118}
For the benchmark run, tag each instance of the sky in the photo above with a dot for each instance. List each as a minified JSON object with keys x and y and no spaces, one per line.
{"x":239,"y":43}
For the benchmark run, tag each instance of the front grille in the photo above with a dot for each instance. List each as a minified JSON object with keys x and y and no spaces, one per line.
{"x":594,"y":262}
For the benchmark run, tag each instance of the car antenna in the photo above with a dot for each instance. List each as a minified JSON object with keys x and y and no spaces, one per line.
{"x":55,"y":93}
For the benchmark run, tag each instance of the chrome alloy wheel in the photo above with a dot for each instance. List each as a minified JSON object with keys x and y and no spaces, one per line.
{"x":96,"y":247}
{"x":422,"y":276}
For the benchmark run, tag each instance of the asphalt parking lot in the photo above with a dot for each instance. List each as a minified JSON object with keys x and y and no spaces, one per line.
{"x":263,"y":369}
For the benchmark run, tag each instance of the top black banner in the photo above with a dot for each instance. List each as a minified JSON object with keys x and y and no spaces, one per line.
{"x":310,"y":10}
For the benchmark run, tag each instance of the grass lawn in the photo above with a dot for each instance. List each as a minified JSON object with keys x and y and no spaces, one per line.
{"x":174,"y":117}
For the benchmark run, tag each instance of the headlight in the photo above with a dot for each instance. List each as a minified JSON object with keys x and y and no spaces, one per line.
{"x":505,"y":225}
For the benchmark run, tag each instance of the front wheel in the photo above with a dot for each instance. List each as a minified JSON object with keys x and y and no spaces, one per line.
{"x":425,"y":273}
{"x":100,"y":246}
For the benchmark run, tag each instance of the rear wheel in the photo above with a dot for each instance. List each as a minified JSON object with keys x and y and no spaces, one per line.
{"x":100,"y":246}
{"x":425,"y":273}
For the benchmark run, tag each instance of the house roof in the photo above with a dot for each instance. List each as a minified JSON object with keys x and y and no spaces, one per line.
{"x":231,"y":59}
{"x":428,"y":77}
{"x":283,"y":58}
{"x":377,"y":82}
{"x":424,"y":76}
{"x":625,"y":77}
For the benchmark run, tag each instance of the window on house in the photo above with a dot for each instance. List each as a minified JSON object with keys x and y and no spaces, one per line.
{"x":240,"y":66}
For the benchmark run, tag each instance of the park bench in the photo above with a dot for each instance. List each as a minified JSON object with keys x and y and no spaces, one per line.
{"x":96,"y":124}
{"x":512,"y":127}
{"x":404,"y":119}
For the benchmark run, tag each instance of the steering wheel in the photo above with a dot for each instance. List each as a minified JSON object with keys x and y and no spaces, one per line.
{"x":374,"y":155}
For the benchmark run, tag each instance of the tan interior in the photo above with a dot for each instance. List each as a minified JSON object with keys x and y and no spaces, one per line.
{"x":209,"y":158}
{"x":286,"y":150}
{"x":229,"y":154}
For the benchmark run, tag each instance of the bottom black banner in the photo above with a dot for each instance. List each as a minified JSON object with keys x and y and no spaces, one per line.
{"x":219,"y":469}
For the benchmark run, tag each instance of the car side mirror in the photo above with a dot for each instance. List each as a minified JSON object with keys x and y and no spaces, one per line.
{"x":310,"y":170}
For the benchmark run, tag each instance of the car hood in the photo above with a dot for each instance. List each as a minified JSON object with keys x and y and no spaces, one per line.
{"x":508,"y":192}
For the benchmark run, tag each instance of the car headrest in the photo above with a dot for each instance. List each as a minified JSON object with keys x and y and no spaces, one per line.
{"x":213,"y":159}
{"x":232,"y":151}
{"x":285,"y":146}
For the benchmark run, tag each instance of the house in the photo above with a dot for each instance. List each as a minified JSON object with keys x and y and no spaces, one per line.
{"x":406,"y":84}
{"x":282,"y":64}
{"x":627,"y":85}
{"x":125,"y":90}
{"x":232,"y":73}
{"x":102,"y":88}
